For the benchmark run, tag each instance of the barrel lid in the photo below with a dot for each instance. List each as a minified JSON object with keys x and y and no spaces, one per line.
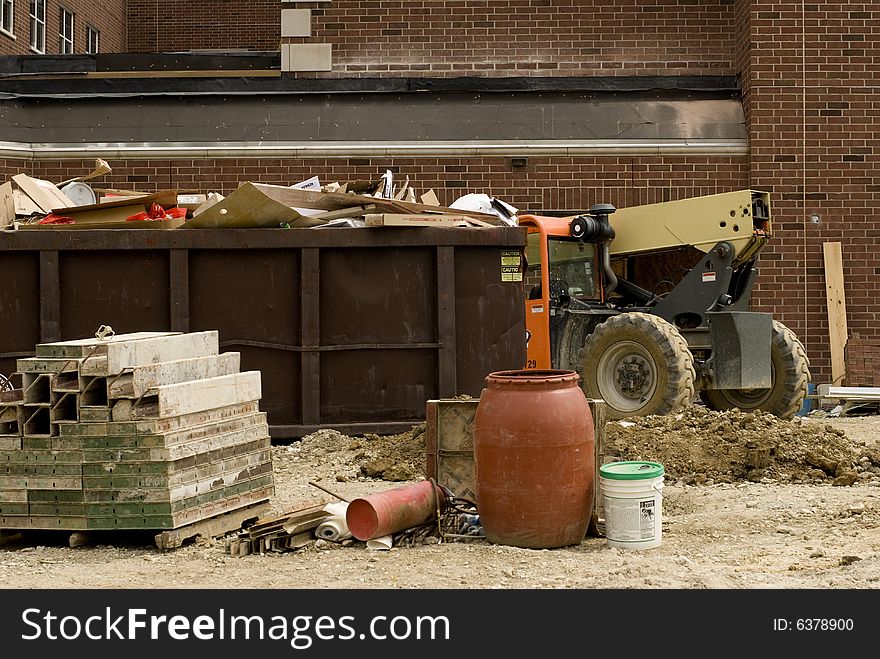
{"x":631,"y":470}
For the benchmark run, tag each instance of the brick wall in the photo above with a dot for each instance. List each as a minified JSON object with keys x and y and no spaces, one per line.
{"x":107,"y":16}
{"x":862,"y":362}
{"x":527,"y":37}
{"x":543,"y":184}
{"x":811,"y":100}
{"x":161,"y":26}
{"x":463,"y":37}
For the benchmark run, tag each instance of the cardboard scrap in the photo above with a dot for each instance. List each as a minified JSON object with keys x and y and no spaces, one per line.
{"x":112,"y":214}
{"x":252,"y":206}
{"x":43,"y":193}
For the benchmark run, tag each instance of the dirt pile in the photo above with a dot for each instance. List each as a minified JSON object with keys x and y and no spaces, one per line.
{"x":696,"y":446}
{"x":393,"y":458}
{"x":700,"y":446}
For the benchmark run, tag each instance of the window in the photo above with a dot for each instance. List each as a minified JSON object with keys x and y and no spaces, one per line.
{"x":92,"y":39}
{"x":7,"y":16}
{"x":38,"y":25}
{"x":65,"y":33}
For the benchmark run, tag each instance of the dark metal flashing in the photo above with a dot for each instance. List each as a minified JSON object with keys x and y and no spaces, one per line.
{"x":78,"y":83}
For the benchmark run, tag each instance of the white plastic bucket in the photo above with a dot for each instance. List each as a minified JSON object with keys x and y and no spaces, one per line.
{"x":633,"y":499}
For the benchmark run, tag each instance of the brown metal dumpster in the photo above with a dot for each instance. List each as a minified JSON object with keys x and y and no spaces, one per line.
{"x":352,"y":329}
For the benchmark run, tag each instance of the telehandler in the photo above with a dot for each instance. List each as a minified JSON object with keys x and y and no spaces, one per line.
{"x":650,"y":305}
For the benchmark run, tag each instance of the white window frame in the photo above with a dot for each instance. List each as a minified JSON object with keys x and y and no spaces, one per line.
{"x":7,"y":17}
{"x":38,"y":26}
{"x":66,"y":38}
{"x":93,"y":40}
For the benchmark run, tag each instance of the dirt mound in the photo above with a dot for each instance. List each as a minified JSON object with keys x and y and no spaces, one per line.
{"x":696,"y":446}
{"x":700,"y":446}
{"x":398,"y":457}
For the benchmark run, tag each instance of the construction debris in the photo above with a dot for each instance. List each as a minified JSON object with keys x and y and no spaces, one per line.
{"x":154,"y":430}
{"x":290,"y":530}
{"x":34,"y":204}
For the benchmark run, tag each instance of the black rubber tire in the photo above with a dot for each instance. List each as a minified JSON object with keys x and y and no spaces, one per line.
{"x":790,"y":370}
{"x":639,"y":364}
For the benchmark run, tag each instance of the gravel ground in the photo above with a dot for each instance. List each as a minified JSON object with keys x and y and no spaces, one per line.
{"x":793,"y":523}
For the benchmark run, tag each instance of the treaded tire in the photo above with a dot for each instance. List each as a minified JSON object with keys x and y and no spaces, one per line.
{"x":639,"y":364}
{"x":786,"y":395}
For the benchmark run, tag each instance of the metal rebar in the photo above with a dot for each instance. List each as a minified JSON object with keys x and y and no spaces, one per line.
{"x":330,"y":492}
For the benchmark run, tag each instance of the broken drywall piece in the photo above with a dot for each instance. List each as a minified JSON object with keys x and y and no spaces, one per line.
{"x":430,"y":198}
{"x":212,"y":198}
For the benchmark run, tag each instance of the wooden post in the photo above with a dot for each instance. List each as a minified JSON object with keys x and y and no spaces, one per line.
{"x":836,"y":300}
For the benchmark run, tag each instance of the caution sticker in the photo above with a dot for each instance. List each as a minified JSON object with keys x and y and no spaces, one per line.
{"x":708,"y":276}
{"x":511,"y":266}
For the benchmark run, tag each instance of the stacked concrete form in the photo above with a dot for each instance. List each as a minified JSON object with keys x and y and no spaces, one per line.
{"x":141,"y":431}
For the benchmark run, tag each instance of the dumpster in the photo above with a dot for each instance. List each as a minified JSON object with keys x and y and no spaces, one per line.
{"x":352,"y":329}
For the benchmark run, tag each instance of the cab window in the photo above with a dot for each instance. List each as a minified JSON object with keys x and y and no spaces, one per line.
{"x":573,"y":267}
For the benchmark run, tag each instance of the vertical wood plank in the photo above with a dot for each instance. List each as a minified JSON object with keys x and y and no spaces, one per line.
{"x":50,"y":297}
{"x":835,"y":298}
{"x":179,"y":289}
{"x":597,"y":411}
{"x":311,"y":336}
{"x":447,"y":385}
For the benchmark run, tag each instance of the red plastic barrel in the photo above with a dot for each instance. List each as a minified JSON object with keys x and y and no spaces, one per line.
{"x":534,"y":454}
{"x":385,"y":513}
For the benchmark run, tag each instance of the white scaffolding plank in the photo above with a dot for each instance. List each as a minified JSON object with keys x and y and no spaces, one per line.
{"x":200,"y":395}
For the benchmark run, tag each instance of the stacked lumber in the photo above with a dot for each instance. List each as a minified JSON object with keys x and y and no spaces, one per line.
{"x":141,"y":431}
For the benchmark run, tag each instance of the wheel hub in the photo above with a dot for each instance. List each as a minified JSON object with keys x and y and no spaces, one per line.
{"x":634,"y":377}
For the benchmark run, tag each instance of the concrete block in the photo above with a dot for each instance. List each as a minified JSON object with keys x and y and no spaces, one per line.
{"x":306,"y":57}
{"x":296,"y":22}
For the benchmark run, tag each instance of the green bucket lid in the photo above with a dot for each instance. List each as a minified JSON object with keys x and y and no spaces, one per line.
{"x":631,"y":470}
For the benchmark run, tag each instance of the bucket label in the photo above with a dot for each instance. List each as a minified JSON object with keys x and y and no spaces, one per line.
{"x":630,"y":520}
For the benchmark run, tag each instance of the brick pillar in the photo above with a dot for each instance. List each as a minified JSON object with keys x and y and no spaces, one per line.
{"x":808,"y":74}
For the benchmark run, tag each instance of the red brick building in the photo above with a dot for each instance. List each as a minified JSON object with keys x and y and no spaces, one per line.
{"x":803,"y":75}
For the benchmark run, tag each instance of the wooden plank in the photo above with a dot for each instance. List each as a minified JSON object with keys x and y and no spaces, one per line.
{"x":28,"y":522}
{"x":47,"y":365}
{"x":40,"y":482}
{"x":835,"y":297}
{"x":10,"y":442}
{"x":109,"y":489}
{"x":79,"y":348}
{"x":172,"y":438}
{"x":122,"y":355}
{"x":179,"y":451}
{"x":418,"y":220}
{"x":157,"y":426}
{"x":143,"y":378}
{"x":597,"y":518}
{"x":15,"y":496}
{"x":175,"y":400}
{"x":342,"y":213}
{"x":215,"y":526}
